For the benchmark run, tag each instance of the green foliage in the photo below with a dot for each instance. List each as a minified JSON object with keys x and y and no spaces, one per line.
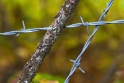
{"x":118,"y":81}
{"x":40,"y":76}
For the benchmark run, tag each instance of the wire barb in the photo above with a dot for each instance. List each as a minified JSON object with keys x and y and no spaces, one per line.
{"x":21,"y":29}
{"x":23,"y":25}
{"x":85,"y":24}
{"x":77,"y":64}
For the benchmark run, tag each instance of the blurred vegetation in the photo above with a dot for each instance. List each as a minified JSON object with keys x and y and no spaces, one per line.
{"x":102,"y":61}
{"x":40,"y":78}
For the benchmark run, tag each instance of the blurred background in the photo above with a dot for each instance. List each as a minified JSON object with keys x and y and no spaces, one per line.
{"x":102,"y":61}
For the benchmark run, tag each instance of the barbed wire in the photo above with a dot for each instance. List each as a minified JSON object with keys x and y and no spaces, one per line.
{"x":86,"y":24}
{"x":68,"y":26}
{"x":94,"y":23}
{"x":77,"y":61}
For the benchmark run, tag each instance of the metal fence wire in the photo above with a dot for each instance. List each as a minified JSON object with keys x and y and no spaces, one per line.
{"x":86,"y":24}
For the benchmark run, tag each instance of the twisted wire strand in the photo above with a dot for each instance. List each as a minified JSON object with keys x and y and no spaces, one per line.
{"x":77,"y":61}
{"x":24,"y":31}
{"x":86,"y":24}
{"x":94,"y":23}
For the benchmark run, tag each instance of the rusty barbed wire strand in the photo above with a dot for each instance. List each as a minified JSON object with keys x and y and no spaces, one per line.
{"x":77,"y":61}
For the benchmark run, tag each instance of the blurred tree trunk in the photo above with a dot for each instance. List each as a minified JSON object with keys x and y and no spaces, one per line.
{"x":44,"y":46}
